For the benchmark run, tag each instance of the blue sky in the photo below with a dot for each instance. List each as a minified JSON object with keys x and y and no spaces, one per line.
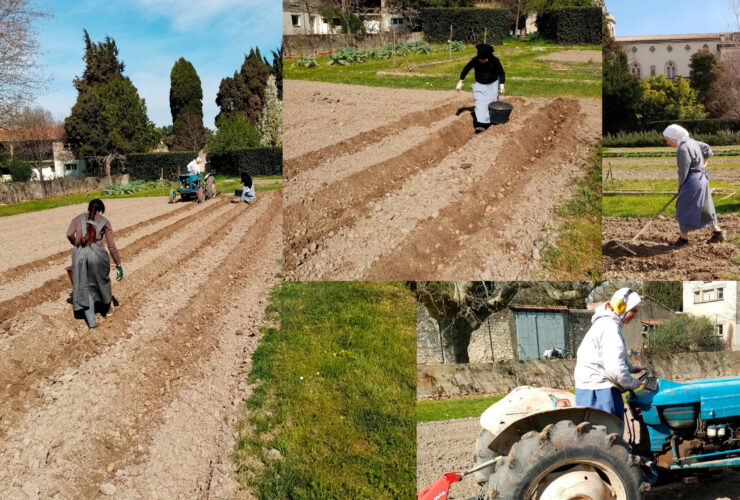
{"x":666,"y":17}
{"x":151,"y":35}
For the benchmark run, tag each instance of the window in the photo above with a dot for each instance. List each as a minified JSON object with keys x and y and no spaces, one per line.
{"x":670,"y":48}
{"x":705,"y":47}
{"x":70,"y":166}
{"x":397,"y":20}
{"x":707,"y":295}
{"x":652,"y":48}
{"x":636,"y":70}
{"x":670,"y":70}
{"x":697,"y":297}
{"x":634,"y":49}
{"x":688,"y":47}
{"x":652,"y":70}
{"x":720,"y":293}
{"x":296,"y":21}
{"x":718,"y":329}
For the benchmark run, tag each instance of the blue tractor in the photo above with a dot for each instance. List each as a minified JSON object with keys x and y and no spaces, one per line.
{"x":194,"y":187}
{"x":536,"y":444}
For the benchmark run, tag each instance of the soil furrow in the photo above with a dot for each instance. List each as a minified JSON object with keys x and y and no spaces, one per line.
{"x":351,"y":251}
{"x":53,"y":287}
{"x":317,"y":216}
{"x":64,"y":351}
{"x":117,"y":397}
{"x":312,"y":159}
{"x":65,"y":255}
{"x":438,"y":243}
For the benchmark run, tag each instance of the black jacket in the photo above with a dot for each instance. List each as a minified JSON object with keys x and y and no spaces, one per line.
{"x":485,"y":73}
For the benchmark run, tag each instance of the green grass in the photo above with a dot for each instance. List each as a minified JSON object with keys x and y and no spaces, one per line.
{"x":668,"y":165}
{"x":347,"y":428}
{"x":663,"y":185}
{"x":648,"y":205}
{"x":447,"y":409}
{"x":577,"y":253}
{"x":223,"y":185}
{"x":667,"y":152}
{"x":518,"y":57}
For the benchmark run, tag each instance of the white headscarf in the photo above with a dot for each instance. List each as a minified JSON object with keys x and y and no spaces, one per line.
{"x":676,"y":133}
{"x":633,"y":300}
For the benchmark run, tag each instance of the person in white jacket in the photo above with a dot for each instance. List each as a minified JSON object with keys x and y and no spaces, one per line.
{"x":603,"y":370}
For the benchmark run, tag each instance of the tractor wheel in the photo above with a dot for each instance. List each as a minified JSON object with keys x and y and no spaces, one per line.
{"x":482,"y":454}
{"x":568,"y":462}
{"x":201,"y":195}
{"x":210,"y":188}
{"x":173,"y":196}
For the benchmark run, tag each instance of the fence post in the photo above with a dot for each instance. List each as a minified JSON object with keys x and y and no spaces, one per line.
{"x":441,"y":347}
{"x":490,"y":340}
{"x":450,"y":41}
{"x":485,"y":34}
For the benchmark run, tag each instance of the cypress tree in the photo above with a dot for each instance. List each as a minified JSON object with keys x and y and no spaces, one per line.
{"x":186,"y":106}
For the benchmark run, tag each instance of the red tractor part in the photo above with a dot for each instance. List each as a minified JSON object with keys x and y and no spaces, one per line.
{"x":440,"y":488}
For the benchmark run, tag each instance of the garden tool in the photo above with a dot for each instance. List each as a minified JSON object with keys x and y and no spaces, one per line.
{"x":440,"y":488}
{"x":646,"y":226}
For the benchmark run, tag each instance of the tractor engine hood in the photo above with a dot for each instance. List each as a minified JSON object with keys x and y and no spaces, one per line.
{"x":717,"y":397}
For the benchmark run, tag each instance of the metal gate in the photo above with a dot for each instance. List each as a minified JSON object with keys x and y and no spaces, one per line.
{"x":538,"y":331}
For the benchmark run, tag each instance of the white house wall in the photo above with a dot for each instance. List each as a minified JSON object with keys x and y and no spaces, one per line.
{"x":723,"y":312}
{"x":656,"y":54}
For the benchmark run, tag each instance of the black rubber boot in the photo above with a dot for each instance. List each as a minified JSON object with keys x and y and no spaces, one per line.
{"x":717,"y":237}
{"x":680,"y":243}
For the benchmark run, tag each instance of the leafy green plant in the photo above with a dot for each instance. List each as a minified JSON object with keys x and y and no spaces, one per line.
{"x":306,"y":62}
{"x":133,"y":187}
{"x":413,"y":48}
{"x":457,"y":46}
{"x":684,"y":333}
{"x":19,"y":171}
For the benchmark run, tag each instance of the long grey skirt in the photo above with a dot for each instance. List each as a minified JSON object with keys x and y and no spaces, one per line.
{"x":694,"y":207}
{"x":90,"y":277}
{"x":484,"y":95}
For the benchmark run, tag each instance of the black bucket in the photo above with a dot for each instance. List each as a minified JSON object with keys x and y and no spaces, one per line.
{"x":500,"y":112}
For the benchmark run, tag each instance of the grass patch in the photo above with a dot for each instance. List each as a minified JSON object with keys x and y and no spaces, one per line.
{"x":347,"y":428}
{"x":447,"y":409}
{"x":663,"y":185}
{"x":668,"y":165}
{"x":224,"y":184}
{"x":528,"y":76}
{"x":577,"y":253}
{"x":649,"y":204}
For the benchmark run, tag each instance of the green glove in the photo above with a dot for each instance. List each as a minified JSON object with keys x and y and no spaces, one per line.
{"x":120,"y":273}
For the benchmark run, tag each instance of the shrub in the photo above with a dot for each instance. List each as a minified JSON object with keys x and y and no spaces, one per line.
{"x":413,"y":48}
{"x":149,"y":166}
{"x":457,"y":46}
{"x":19,"y":171}
{"x":234,"y":133}
{"x":306,"y":62}
{"x":254,"y":161}
{"x":571,"y":25}
{"x":654,"y":138}
{"x":684,"y":333}
{"x":348,"y":55}
{"x":467,"y":24}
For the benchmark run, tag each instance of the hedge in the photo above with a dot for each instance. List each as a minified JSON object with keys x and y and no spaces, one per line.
{"x":254,"y":161}
{"x":571,"y":25}
{"x":652,"y":138}
{"x":468,"y":25}
{"x":706,"y":126}
{"x":149,"y":166}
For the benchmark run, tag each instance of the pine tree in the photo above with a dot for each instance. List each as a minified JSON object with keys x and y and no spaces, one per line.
{"x":186,"y":105}
{"x":277,"y":68}
{"x":243,"y":93}
{"x":271,"y":121}
{"x":101,"y":64}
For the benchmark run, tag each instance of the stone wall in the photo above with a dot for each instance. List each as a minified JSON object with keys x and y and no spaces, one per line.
{"x":304,"y":45}
{"x":15,"y":192}
{"x":502,"y":336}
{"x":435,"y":380}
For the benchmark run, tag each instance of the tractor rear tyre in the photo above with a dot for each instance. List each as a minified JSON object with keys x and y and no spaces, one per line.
{"x":568,"y":462}
{"x":482,"y":454}
{"x":201,"y":195}
{"x":173,"y":196}
{"x":210,"y":188}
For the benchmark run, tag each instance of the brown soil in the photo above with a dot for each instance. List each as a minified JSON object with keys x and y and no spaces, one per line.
{"x":655,"y":260}
{"x":447,"y":446}
{"x":148,"y":400}
{"x":420,"y":196}
{"x":578,"y":56}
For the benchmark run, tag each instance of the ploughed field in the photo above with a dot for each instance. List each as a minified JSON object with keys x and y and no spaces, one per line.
{"x":144,"y":405}
{"x":386,"y":183}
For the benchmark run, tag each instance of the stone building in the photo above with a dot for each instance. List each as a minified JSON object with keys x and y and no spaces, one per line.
{"x":718,"y":301}
{"x":670,"y":55}
{"x":60,"y":162}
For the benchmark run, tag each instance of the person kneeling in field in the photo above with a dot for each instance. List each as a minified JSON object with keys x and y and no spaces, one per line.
{"x":694,"y":207}
{"x":489,"y":81}
{"x":603,"y":370}
{"x":248,"y":194}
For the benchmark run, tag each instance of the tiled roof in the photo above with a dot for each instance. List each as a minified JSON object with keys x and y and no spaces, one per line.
{"x":55,"y":133}
{"x":670,"y":38}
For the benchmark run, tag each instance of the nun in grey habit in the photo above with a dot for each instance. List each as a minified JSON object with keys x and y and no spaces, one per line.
{"x":694,"y":207}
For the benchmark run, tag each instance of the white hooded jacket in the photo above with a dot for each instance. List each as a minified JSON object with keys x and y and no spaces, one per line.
{"x":602,"y":361}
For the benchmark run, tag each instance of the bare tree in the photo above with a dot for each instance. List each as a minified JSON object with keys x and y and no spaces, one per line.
{"x":461,"y":307}
{"x":20,"y":75}
{"x":724,"y":93}
{"x":192,"y":136}
{"x":33,"y":130}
